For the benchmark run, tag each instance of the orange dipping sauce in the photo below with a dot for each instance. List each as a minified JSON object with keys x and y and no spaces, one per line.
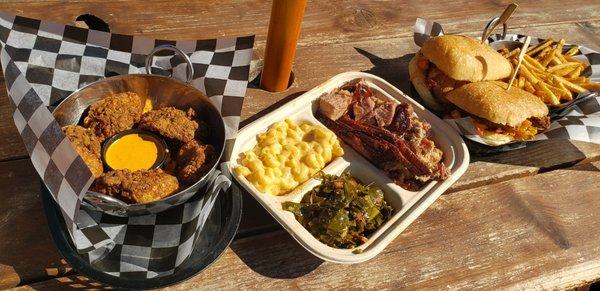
{"x":133,"y":151}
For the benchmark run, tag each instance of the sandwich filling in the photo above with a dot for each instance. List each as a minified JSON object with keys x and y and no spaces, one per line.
{"x":441,"y":84}
{"x":528,"y":129}
{"x":524,"y":131}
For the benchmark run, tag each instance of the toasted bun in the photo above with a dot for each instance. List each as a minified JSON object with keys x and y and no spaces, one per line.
{"x":466,"y":59}
{"x":418,"y":79}
{"x":490,"y":100}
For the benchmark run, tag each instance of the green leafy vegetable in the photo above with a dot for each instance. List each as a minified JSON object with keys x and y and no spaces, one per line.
{"x":341,"y":212}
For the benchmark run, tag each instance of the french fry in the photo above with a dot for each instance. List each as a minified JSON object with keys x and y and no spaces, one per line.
{"x":513,"y":53}
{"x":568,"y":94}
{"x":543,"y":53}
{"x":575,"y":73}
{"x":559,"y":49}
{"x":551,"y":74}
{"x":563,"y":72}
{"x":572,"y":87}
{"x":504,"y":51}
{"x":531,"y":67}
{"x":573,"y":59}
{"x":544,"y":96}
{"x":561,"y":58}
{"x":528,"y":87}
{"x":552,"y":98}
{"x":526,"y":73}
{"x":572,"y":51}
{"x":560,"y":92}
{"x":535,"y":49}
{"x":591,"y":86}
{"x":560,"y":46}
{"x":544,"y":77}
{"x":547,"y":58}
{"x":521,"y":82}
{"x":555,"y":60}
{"x":569,"y":65}
{"x":579,"y":80}
{"x":534,"y":62}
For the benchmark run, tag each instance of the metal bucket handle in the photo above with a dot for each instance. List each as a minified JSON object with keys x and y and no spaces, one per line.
{"x":117,"y":205}
{"x":168,"y":47}
{"x":489,"y":25}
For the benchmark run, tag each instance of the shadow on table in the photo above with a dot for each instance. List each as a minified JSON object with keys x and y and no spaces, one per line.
{"x":546,"y":155}
{"x":271,"y":108}
{"x":27,"y":253}
{"x":275,"y":255}
{"x":74,"y":282}
{"x":260,"y":243}
{"x":393,"y":70}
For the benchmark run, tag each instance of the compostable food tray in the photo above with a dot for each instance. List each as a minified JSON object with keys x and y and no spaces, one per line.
{"x":408,"y":205}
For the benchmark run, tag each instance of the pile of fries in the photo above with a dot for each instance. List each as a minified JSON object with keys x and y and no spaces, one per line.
{"x":549,"y":73}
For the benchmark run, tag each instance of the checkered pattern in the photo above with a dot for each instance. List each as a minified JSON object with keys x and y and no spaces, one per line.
{"x":582,"y":123}
{"x":52,"y":155}
{"x":44,"y":62}
{"x":151,"y":245}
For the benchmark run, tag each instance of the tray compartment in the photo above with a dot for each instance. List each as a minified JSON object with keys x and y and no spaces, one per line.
{"x":408,"y":205}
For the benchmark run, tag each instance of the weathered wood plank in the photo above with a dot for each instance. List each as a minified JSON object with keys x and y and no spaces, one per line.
{"x":481,"y":172}
{"x":19,"y":174}
{"x":11,"y":146}
{"x":541,"y":156}
{"x":26,"y":250}
{"x":314,"y":68}
{"x":255,"y":218}
{"x":386,"y":58}
{"x":536,"y":232}
{"x":325,"y":21}
{"x":389,"y":58}
{"x":327,"y":24}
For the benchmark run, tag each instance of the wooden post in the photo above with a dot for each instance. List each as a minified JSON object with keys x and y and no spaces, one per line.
{"x":284,"y":30}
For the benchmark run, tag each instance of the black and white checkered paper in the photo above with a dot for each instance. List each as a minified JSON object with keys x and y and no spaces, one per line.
{"x":44,"y":62}
{"x":582,"y":123}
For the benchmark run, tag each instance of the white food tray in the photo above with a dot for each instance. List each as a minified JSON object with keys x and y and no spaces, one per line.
{"x":408,"y":205}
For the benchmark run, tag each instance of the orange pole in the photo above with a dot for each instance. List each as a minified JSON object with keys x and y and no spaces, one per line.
{"x":284,"y":30}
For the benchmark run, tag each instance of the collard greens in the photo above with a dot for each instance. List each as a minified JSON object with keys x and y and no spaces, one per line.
{"x":341,"y":212}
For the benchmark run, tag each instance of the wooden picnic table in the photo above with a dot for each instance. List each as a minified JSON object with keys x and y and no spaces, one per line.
{"x":522,"y":219}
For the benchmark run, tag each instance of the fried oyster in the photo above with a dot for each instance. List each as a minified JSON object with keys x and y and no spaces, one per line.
{"x":172,"y":123}
{"x":194,"y":160}
{"x":136,"y":187}
{"x":113,"y":114}
{"x":87,"y":146}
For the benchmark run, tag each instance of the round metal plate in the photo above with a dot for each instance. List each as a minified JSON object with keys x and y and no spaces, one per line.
{"x":225,"y":216}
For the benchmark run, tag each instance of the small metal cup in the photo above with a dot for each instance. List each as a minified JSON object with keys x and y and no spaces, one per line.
{"x":163,"y":150}
{"x":164,"y":92}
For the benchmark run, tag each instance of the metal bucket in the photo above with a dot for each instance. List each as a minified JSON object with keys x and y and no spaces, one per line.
{"x":163,"y":91}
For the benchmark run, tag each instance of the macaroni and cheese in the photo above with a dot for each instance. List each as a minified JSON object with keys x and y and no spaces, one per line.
{"x":287,"y":155}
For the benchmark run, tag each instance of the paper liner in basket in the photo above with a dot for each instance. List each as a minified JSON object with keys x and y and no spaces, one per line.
{"x":582,"y":123}
{"x":43,"y":62}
